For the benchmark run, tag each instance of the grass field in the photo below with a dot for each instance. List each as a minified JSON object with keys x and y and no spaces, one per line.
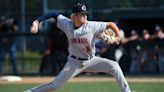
{"x":108,"y":86}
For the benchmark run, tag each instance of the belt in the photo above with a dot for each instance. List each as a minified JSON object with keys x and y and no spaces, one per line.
{"x":78,"y":58}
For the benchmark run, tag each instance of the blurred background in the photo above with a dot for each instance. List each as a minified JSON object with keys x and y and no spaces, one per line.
{"x":141,"y":23}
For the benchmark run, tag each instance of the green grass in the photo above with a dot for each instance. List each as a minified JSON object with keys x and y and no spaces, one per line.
{"x":89,"y":87}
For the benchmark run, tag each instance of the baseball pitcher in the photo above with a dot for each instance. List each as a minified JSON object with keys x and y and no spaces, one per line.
{"x":81,"y":35}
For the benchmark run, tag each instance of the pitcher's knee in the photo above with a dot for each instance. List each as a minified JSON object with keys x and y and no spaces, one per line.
{"x":115,"y":69}
{"x":54,"y":86}
{"x":115,"y":66}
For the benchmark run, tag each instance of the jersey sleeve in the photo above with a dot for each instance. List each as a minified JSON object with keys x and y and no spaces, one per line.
{"x":63,"y":22}
{"x":98,"y":26}
{"x":47,"y":16}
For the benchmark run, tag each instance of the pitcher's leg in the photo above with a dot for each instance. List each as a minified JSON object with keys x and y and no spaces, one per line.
{"x":70,"y":70}
{"x":118,"y":75}
{"x":109,"y":66}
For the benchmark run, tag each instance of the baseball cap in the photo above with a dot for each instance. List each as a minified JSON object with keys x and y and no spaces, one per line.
{"x":158,"y":28}
{"x":133,"y":32}
{"x":79,"y":7}
{"x":145,"y":31}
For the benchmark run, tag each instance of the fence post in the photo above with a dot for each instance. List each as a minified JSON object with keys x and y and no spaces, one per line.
{"x":23,"y":39}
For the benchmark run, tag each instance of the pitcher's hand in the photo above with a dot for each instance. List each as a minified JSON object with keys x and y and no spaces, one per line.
{"x":34,"y":27}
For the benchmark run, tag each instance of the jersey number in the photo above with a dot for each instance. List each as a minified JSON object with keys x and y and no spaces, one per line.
{"x":87,"y":48}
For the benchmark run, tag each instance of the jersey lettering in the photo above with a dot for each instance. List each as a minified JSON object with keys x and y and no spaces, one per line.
{"x":79,"y":40}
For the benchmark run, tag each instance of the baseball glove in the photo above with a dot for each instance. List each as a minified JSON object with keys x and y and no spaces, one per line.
{"x":108,"y":36}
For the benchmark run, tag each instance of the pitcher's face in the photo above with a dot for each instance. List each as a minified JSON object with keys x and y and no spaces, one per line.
{"x":81,"y":17}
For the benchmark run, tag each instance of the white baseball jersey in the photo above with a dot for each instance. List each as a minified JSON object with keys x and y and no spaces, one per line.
{"x":82,"y":45}
{"x":82,"y":39}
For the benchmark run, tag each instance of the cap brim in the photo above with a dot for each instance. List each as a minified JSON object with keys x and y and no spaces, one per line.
{"x":85,"y":12}
{"x":82,"y":11}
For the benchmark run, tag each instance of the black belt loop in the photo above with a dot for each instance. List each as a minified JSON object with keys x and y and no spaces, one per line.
{"x":78,"y":58}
